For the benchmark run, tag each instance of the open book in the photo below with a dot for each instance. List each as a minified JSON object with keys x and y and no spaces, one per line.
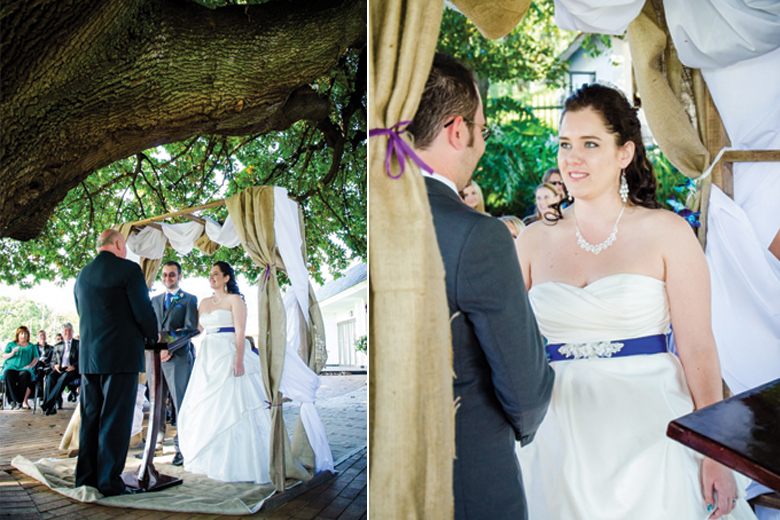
{"x":172,"y":339}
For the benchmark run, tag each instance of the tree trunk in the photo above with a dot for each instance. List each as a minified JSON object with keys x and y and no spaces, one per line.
{"x":86,"y":83}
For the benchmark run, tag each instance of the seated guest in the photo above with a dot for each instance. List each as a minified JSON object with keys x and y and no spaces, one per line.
{"x":44,"y":349}
{"x":65,"y":369}
{"x":547,"y":204}
{"x":472,"y":197}
{"x":19,"y":358}
{"x":514,"y":224}
{"x":45,"y":353}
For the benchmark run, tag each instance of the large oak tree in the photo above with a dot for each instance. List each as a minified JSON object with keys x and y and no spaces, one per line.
{"x":87,"y":83}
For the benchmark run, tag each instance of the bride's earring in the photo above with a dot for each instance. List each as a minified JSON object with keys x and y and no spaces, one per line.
{"x":623,"y":187}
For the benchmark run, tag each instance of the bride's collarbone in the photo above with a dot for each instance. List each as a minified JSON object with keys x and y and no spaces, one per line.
{"x":210,"y":308}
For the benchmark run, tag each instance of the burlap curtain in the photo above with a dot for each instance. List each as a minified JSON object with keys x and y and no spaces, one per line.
{"x":674,"y":99}
{"x":411,"y":420}
{"x":252,"y":212}
{"x":411,"y":430}
{"x":205,"y":245}
{"x":315,"y":336}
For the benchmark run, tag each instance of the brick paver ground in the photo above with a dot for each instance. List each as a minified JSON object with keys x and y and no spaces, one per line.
{"x":342,"y":404}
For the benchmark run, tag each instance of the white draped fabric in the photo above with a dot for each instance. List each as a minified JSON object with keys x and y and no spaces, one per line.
{"x":748,"y":326}
{"x":596,"y":16}
{"x":148,"y":243}
{"x":711,"y":34}
{"x":182,"y":237}
{"x":138,"y":411}
{"x":287,"y":232}
{"x":224,"y":235}
{"x":745,"y":275}
{"x":300,"y":384}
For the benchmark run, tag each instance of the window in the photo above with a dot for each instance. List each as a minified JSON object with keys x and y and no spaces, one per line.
{"x":578,"y":79}
{"x":347,"y":342}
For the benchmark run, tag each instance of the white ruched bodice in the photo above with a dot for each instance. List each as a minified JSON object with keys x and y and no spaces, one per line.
{"x":216,"y":319}
{"x":602,"y":450}
{"x":619,"y":306}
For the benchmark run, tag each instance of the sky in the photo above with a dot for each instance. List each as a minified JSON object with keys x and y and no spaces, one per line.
{"x":61,"y":299}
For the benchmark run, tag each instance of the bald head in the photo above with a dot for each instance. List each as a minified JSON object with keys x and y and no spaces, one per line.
{"x":112,"y":241}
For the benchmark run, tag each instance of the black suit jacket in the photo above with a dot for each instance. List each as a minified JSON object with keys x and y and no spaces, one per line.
{"x":115,"y":316}
{"x":181,"y":314}
{"x":503,"y":381}
{"x":57,"y":353}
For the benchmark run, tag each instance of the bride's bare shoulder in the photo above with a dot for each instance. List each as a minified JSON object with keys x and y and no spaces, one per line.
{"x":666,"y":227}
{"x":235,"y":299}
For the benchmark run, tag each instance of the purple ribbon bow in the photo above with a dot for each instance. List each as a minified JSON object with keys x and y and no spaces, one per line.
{"x":398,"y":146}
{"x":267,"y":274}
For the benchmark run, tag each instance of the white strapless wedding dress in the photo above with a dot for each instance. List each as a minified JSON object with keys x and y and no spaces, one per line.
{"x":602,"y":452}
{"x":224,"y":424}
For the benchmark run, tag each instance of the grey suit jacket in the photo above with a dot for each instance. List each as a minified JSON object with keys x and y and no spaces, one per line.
{"x":181,"y":314}
{"x":503,"y":381}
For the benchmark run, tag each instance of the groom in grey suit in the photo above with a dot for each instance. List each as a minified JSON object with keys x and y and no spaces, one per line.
{"x":175,"y":309}
{"x":503,"y":382}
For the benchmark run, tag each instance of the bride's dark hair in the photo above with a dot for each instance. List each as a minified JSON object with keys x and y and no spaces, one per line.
{"x":231,"y":287}
{"x":621,"y":120}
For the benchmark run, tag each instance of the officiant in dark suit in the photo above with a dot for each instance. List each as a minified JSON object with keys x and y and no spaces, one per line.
{"x":503,"y":382}
{"x":116,"y":318}
{"x":175,"y":309}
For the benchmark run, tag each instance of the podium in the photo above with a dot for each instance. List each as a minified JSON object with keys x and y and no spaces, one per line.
{"x":740,"y":432}
{"x":146,"y":478}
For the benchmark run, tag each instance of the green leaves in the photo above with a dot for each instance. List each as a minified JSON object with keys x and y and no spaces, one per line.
{"x":528,"y":53}
{"x":321,"y":163}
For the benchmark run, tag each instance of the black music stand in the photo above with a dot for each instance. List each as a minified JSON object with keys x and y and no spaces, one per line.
{"x":146,"y":478}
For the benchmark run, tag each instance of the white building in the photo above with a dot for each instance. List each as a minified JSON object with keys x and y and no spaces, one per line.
{"x":344,"y":307}
{"x":613,"y":65}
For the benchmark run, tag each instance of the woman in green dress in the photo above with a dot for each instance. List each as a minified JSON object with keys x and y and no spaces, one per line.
{"x":19,"y":359}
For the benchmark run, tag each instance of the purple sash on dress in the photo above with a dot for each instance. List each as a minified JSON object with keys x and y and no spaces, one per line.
{"x":222,"y":329}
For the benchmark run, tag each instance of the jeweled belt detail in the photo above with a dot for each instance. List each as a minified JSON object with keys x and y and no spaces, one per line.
{"x":220,"y":330}
{"x":601,"y":349}
{"x":655,"y":344}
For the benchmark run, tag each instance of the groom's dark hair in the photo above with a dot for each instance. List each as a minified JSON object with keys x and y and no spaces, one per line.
{"x":450,"y":91}
{"x":173,"y":262}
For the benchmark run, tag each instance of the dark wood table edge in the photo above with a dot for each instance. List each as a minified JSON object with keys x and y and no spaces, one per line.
{"x":723,"y":454}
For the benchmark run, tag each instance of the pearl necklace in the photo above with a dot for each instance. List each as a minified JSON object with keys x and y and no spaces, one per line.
{"x":216,"y":302}
{"x":598,"y":248}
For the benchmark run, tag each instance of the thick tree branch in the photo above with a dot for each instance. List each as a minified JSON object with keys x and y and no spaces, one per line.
{"x":87,"y":83}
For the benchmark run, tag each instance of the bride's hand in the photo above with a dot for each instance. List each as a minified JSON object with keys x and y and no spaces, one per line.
{"x":716,"y":477}
{"x":238,"y":368}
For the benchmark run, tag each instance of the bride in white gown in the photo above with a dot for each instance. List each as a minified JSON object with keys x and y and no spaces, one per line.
{"x":224,"y":424}
{"x":605,"y":310}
